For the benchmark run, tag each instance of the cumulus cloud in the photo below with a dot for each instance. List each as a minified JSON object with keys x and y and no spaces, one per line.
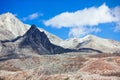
{"x":79,"y":21}
{"x":32,"y":16}
{"x":116,"y":12}
{"x":81,"y":31}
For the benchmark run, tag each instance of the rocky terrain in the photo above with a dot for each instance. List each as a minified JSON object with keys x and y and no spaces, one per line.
{"x":62,"y":67}
{"x":31,"y":53}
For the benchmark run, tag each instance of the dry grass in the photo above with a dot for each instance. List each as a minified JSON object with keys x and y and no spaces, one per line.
{"x":9,"y":67}
{"x":77,"y":62}
{"x":99,"y":67}
{"x":2,"y":78}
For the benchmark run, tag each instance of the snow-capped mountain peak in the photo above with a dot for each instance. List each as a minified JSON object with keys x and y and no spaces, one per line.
{"x":9,"y":23}
{"x":8,"y":15}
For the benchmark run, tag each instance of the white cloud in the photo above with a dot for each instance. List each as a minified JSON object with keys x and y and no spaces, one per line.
{"x":32,"y":16}
{"x":81,"y":31}
{"x":116,"y":12}
{"x":79,"y":20}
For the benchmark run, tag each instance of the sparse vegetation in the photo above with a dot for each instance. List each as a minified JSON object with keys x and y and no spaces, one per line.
{"x":2,"y":78}
{"x":117,"y":74}
{"x":9,"y":67}
{"x":66,"y":78}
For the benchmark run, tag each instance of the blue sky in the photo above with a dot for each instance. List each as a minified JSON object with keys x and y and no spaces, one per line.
{"x":69,"y":18}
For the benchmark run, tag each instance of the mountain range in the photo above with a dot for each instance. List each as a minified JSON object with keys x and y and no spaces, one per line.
{"x":15,"y":34}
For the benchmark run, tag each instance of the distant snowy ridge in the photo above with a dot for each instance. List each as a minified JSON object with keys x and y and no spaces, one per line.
{"x":94,"y":42}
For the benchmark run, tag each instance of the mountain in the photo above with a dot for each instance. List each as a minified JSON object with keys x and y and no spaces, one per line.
{"x":93,"y":42}
{"x":11,"y":27}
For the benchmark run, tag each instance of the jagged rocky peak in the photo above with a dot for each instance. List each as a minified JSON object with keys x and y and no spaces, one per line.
{"x":35,"y":33}
{"x":32,"y":29}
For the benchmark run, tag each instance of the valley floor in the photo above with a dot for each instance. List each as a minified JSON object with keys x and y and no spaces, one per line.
{"x":70,"y":66}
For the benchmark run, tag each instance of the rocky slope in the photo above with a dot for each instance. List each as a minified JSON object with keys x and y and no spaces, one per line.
{"x":53,"y":38}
